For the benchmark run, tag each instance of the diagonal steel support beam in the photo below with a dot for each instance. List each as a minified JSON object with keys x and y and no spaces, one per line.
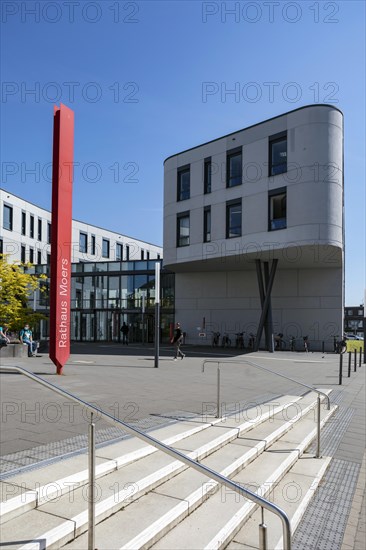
{"x":266,"y":303}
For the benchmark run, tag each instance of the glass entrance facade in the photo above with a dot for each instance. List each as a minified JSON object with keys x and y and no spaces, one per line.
{"x":105,"y":295}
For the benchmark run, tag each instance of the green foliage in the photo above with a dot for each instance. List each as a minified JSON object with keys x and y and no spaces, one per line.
{"x":15,"y":287}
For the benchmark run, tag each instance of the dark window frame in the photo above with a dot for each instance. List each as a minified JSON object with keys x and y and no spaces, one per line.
{"x":275,"y":224}
{"x":119,"y":252}
{"x":207,"y":176}
{"x":92,"y":242}
{"x":273,"y":140}
{"x":23,"y":254}
{"x":39,"y":257}
{"x":31,"y":255}
{"x":206,"y":225}
{"x":183,"y":195}
{"x":23,"y":223}
{"x":229,"y":227}
{"x":31,"y":227}
{"x":108,"y":245}
{"x":39,"y":229}
{"x":229,"y":177}
{"x":180,"y":238}
{"x":9,"y":208}
{"x":49,"y":233}
{"x":83,"y":249}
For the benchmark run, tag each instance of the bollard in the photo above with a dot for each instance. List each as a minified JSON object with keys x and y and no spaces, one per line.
{"x":323,"y":346}
{"x":349,"y":363}
{"x":360,"y":358}
{"x":354,"y":360}
{"x":340,"y":369}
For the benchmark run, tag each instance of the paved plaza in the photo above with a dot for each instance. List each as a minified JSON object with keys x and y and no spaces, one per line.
{"x":38,"y":425}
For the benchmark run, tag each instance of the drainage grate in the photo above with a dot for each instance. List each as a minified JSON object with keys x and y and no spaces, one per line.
{"x":325,"y":520}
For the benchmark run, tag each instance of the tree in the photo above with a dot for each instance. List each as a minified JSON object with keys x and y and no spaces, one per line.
{"x":15,"y":287}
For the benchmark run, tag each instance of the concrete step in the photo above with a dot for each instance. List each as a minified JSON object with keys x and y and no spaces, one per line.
{"x":147,"y":520}
{"x":293,"y":494}
{"x":31,"y":489}
{"x":120,"y":488}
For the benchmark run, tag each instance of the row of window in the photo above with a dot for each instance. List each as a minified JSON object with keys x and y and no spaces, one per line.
{"x":8,"y":224}
{"x":277,"y":164}
{"x":121,"y":252}
{"x":34,"y":257}
{"x":277,"y":218}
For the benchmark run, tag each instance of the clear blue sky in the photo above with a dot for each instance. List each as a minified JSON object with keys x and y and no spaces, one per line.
{"x":136,"y":75}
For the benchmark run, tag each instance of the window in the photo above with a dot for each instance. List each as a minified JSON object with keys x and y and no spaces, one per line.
{"x":49,"y":229}
{"x":1,"y":246}
{"x":277,"y":209}
{"x":92,"y":245}
{"x":22,"y":254}
{"x":105,"y":248}
{"x":39,"y":233}
{"x":184,"y":183}
{"x":24,"y":221}
{"x":8,"y":218}
{"x":278,"y":154}
{"x":39,"y":257}
{"x":233,"y":219}
{"x":207,"y":224}
{"x":119,"y":251}
{"x":142,"y":254}
{"x":127,"y":252}
{"x":147,"y":255}
{"x":234,"y":168}
{"x":207,"y":172}
{"x":183,"y":229}
{"x":83,"y":242}
{"x":48,"y":259}
{"x":31,"y":227}
{"x":31,"y":255}
{"x":360,"y":312}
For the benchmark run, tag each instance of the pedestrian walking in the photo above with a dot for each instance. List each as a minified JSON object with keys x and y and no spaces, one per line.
{"x":177,"y":341}
{"x":125,"y":330}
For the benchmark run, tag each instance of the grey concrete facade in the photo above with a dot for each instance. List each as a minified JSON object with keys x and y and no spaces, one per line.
{"x":216,"y":279}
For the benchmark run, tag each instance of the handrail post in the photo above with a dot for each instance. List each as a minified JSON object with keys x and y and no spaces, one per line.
{"x":318,"y":430}
{"x":263,"y":541}
{"x":349,"y":363}
{"x":340,"y":368}
{"x":91,"y":492}
{"x":218,"y":391}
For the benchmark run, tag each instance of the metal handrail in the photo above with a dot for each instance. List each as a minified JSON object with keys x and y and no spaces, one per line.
{"x":246,"y":362}
{"x":205,"y":470}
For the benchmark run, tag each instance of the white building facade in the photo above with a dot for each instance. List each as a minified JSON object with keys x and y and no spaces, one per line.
{"x":25,"y":236}
{"x":254,"y":230}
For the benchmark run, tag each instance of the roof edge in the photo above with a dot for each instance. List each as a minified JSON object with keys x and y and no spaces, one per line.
{"x":253,"y":126}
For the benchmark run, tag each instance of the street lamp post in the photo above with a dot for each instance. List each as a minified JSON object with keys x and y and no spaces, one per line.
{"x":157,"y":313}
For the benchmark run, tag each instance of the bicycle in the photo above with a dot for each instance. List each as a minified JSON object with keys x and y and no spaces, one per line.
{"x":280,"y":343}
{"x":292,"y":343}
{"x":226,"y":342}
{"x":306,"y":343}
{"x":215,"y":339}
{"x":239,"y":342}
{"x":341,"y":346}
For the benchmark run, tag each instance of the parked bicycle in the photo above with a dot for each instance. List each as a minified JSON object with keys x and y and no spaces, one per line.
{"x":292,"y":343}
{"x":215,"y":339}
{"x":280,"y":344}
{"x":226,"y":342}
{"x":251,"y":342}
{"x":306,"y":343}
{"x":239,"y":341}
{"x":341,"y":346}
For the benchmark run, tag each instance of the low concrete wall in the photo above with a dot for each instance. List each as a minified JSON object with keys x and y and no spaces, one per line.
{"x":14,"y":350}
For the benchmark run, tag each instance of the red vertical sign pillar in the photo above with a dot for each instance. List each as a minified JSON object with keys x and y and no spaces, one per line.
{"x":61,"y":236}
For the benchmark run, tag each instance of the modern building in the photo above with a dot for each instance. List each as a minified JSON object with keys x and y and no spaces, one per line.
{"x":354,"y":320}
{"x":25,"y":236}
{"x":113,"y":275}
{"x":254,"y":230}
